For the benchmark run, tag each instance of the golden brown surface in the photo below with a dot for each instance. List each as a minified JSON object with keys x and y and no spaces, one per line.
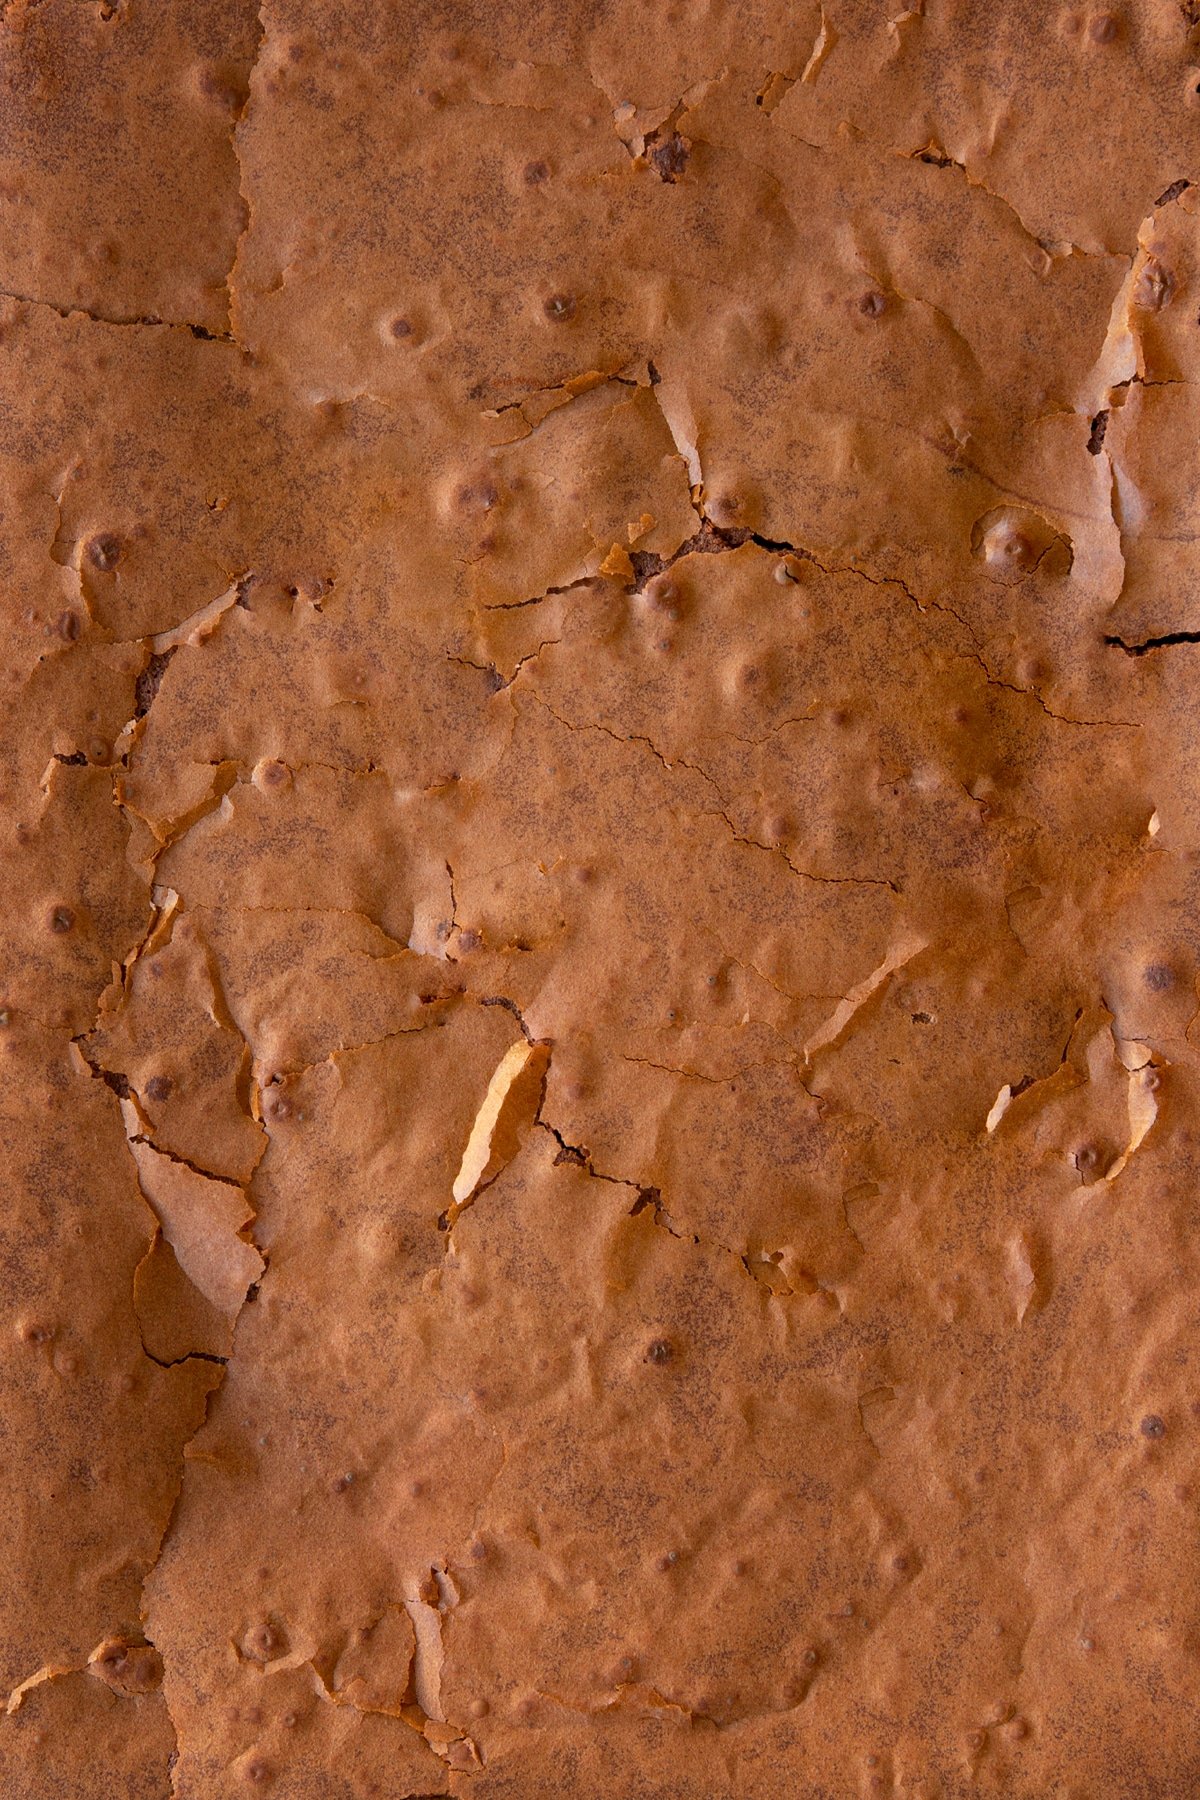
{"x":601,"y":683}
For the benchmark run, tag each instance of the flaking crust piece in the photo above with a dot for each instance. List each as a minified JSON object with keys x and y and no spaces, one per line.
{"x":601,"y":677}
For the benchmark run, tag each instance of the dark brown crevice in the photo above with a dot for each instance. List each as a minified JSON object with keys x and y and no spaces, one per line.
{"x":1096,"y":436}
{"x":536,"y":599}
{"x":184,"y":1162}
{"x":509,"y":1006}
{"x":581,"y":1158}
{"x":1173,"y":192}
{"x":149,"y":681}
{"x":710,"y":540}
{"x":148,"y":320}
{"x":936,"y":158}
{"x":112,"y":1078}
{"x":188,"y":1356}
{"x":1153,"y":643}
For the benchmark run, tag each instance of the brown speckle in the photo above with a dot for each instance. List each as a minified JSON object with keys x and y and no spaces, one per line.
{"x":559,"y":307}
{"x":1152,"y":1426}
{"x":61,"y":919}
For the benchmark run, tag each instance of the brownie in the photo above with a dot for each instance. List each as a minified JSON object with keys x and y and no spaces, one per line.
{"x":600,"y":813}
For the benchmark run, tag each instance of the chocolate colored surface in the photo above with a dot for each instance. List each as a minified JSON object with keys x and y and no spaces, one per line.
{"x":601,"y":813}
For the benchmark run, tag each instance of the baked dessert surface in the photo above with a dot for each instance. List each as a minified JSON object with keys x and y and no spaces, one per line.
{"x":600,"y":618}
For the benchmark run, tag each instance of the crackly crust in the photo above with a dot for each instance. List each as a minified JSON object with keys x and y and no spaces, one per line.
{"x":600,"y":936}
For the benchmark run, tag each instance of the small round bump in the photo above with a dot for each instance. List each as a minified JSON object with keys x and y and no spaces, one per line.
{"x":1154,"y":286}
{"x":263,"y":1642}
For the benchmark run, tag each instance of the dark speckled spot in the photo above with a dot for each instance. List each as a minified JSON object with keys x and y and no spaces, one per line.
{"x":1104,"y":28}
{"x":535,"y":173}
{"x":872,"y":304}
{"x":104,"y":552}
{"x":668,"y":156}
{"x":61,"y":919}
{"x":1152,"y":1426}
{"x":659,"y":1351}
{"x":158,"y":1087}
{"x":559,"y":307}
{"x":1158,"y":977}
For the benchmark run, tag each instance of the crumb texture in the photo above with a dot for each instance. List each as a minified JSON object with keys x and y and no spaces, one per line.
{"x":599,"y":707}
